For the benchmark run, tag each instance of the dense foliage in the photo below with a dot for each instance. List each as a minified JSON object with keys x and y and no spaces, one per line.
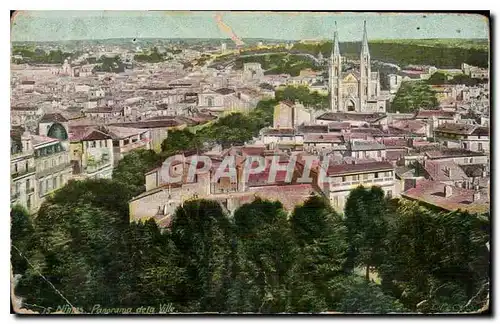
{"x":109,"y":64}
{"x":39,"y":56}
{"x":152,"y":57}
{"x":303,"y":95}
{"x":440,"y":78}
{"x":412,"y":96}
{"x":279,"y":63}
{"x":129,"y":172}
{"x":435,"y":54}
{"x":259,"y":260}
{"x":232,"y":129}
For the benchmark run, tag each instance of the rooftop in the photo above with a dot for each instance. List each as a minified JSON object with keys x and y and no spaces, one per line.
{"x":53,"y":117}
{"x":340,"y":116}
{"x":440,"y":114}
{"x":444,"y":171}
{"x":451,"y":153}
{"x":432,"y":192}
{"x":40,"y":140}
{"x":224,"y":91}
{"x":342,"y":169}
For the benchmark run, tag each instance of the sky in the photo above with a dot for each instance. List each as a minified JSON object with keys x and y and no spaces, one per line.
{"x":73,"y":25}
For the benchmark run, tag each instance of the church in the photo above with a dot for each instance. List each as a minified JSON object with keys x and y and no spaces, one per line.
{"x":354,"y":91}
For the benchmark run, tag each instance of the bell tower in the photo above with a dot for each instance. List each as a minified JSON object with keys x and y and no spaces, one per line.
{"x":365,"y":71}
{"x":335,"y":70}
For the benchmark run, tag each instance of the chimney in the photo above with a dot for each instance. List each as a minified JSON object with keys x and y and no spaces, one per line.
{"x":476,"y":196}
{"x":448,"y":191}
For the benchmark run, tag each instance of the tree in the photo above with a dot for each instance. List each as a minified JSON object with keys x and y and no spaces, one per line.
{"x":320,"y":233}
{"x":438,"y":78}
{"x":365,"y":219}
{"x":265,"y":257}
{"x":413,"y":96}
{"x":435,"y":261}
{"x":80,"y":253}
{"x":180,"y":141}
{"x":351,"y":294}
{"x":22,"y":238}
{"x":129,"y":172}
{"x":202,"y":234}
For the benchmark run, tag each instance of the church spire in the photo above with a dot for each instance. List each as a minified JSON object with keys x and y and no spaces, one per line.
{"x":364,"y":45}
{"x":336,"y":50}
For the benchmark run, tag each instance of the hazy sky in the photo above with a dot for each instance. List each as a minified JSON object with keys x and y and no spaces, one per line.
{"x":69,"y":25}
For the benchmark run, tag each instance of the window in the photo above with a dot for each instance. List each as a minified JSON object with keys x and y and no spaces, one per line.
{"x":389,"y":193}
{"x":344,"y":179}
{"x":355,"y":177}
{"x":92,"y":144}
{"x":376,"y":175}
{"x":15,"y":167}
{"x":116,"y":143}
{"x":471,"y":160}
{"x":27,"y":184}
{"x":464,"y":146}
{"x":465,"y":160}
{"x":47,"y":186}
{"x":105,"y":143}
{"x":54,"y":183}
{"x":17,"y":187}
{"x":379,"y":153}
{"x":365,"y":176}
{"x":27,"y":166}
{"x":125,"y":142}
{"x":40,"y":188}
{"x":61,"y":182}
{"x":53,"y":162}
{"x":60,"y":160}
{"x":45,"y":164}
{"x":480,"y":146}
{"x":336,"y":201}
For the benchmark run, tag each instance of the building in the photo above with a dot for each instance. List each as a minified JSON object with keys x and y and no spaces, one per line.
{"x":91,"y":152}
{"x":22,"y":171}
{"x":394,"y":82}
{"x":342,"y":178}
{"x":354,"y":91}
{"x":289,"y":115}
{"x":468,"y":137}
{"x":127,"y":139}
{"x":252,"y":71}
{"x":52,"y":164}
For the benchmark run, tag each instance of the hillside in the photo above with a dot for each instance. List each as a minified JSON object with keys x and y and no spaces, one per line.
{"x":440,"y":53}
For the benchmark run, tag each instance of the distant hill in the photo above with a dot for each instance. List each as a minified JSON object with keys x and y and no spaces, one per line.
{"x":442,"y":53}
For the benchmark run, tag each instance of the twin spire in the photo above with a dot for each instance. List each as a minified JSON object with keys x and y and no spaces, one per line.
{"x":364,"y":44}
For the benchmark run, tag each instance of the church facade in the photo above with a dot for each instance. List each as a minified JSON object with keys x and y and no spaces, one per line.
{"x":354,"y":90}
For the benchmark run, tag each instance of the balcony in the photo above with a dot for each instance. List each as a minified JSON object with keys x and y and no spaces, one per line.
{"x":367,"y":182}
{"x":21,"y":173}
{"x":132,"y":146}
{"x":96,"y":166}
{"x":52,"y":170}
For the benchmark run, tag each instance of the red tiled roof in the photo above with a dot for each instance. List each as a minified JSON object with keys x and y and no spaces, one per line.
{"x":438,"y":113}
{"x":289,"y":195}
{"x":340,"y":169}
{"x":437,"y":171}
{"x":432,"y":192}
